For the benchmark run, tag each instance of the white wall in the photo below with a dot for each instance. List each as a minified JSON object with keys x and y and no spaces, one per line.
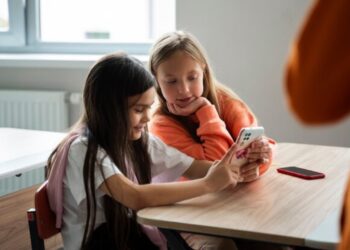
{"x":247,"y":42}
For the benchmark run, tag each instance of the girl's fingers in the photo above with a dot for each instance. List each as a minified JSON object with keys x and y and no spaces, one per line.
{"x":259,"y":161}
{"x":234,"y":170}
{"x":260,"y":145}
{"x":257,"y":156}
{"x":234,"y":179}
{"x":264,"y":148}
{"x":188,"y":109}
{"x":251,"y":177}
{"x":263,"y":153}
{"x":235,"y":175}
{"x":229,"y":154}
{"x":248,"y":168}
{"x":250,"y":172}
{"x":260,"y":140}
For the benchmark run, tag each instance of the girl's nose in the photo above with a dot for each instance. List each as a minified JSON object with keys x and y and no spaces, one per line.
{"x":183,"y":87}
{"x":147,"y":115}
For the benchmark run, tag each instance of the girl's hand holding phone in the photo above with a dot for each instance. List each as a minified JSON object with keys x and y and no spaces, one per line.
{"x":224,"y":172}
{"x":249,"y":172}
{"x":259,"y":150}
{"x":252,"y":150}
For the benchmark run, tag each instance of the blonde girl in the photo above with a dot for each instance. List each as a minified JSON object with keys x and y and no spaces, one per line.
{"x":197,"y":114}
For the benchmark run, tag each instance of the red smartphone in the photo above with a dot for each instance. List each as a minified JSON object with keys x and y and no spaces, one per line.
{"x":301,"y":173}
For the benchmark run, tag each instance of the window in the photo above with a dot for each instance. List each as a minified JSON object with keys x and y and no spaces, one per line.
{"x":12,"y":23}
{"x":85,"y":26}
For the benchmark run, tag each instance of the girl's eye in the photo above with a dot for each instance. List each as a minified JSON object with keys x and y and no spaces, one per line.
{"x":192,"y":78}
{"x":138,"y":110}
{"x":171,"y":81}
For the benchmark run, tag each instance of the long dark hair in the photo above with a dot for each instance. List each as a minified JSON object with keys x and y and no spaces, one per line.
{"x":110,"y":82}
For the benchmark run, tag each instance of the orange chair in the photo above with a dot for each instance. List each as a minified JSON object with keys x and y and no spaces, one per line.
{"x":41,"y":219}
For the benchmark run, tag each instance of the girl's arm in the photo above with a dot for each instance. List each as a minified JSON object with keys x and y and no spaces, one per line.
{"x":137,"y":196}
{"x":214,"y":137}
{"x":198,"y":169}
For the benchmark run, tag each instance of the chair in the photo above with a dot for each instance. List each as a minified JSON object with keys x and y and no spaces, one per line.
{"x":41,"y":219}
{"x":175,"y":241}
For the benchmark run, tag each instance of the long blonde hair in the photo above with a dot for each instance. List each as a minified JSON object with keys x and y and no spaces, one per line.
{"x":172,"y":42}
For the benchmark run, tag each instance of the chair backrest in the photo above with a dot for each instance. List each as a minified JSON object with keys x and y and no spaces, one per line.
{"x":46,"y":218}
{"x":41,"y":219}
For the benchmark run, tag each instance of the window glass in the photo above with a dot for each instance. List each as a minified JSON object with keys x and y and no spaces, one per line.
{"x":83,"y":26}
{"x":4,"y":16}
{"x":115,"y":21}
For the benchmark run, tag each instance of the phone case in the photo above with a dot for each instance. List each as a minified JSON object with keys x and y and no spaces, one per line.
{"x":308,"y":175}
{"x":246,"y":136}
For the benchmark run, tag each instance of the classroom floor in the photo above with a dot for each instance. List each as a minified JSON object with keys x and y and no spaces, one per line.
{"x":14,"y":232}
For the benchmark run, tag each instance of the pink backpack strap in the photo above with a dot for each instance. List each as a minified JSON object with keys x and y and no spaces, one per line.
{"x":55,"y":180}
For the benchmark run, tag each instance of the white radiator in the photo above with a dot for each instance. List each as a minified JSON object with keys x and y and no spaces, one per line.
{"x":40,"y":110}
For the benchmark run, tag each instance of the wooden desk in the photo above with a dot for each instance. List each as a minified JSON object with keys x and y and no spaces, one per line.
{"x":22,"y":150}
{"x":276,"y":208}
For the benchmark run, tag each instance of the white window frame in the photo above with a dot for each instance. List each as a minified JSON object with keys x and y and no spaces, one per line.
{"x":30,"y":41}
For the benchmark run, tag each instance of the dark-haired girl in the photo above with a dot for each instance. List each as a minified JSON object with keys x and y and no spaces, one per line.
{"x":100,"y":175}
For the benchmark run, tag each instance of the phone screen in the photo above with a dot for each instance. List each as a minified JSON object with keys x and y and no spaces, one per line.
{"x":301,"y":172}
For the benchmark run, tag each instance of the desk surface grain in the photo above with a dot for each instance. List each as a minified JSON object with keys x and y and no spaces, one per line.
{"x":275,"y":208}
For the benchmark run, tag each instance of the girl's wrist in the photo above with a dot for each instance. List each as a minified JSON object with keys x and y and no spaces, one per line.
{"x":207,"y":185}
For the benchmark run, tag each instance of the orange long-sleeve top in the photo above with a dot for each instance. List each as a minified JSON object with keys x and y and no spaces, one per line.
{"x":216,"y":133}
{"x":318,"y":76}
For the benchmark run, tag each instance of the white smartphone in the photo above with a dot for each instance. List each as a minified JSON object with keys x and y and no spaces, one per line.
{"x":246,"y":136}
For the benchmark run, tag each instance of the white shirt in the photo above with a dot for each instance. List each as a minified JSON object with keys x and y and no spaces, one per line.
{"x":167,"y":164}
